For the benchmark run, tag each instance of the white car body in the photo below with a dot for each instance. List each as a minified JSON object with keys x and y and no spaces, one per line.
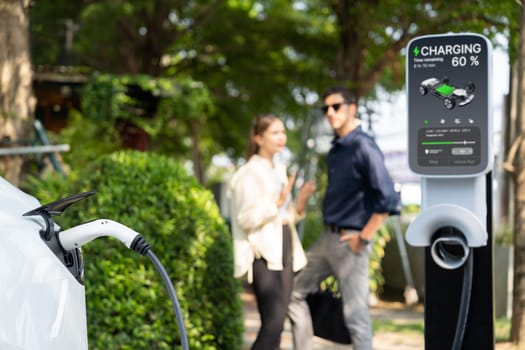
{"x":42,"y":304}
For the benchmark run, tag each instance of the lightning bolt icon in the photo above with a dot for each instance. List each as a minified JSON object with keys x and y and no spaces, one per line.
{"x":416,"y":51}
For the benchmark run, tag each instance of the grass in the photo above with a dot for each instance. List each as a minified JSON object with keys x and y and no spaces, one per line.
{"x":385,"y":326}
{"x":501,"y":328}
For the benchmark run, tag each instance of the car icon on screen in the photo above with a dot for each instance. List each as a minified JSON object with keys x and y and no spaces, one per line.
{"x":451,"y":95}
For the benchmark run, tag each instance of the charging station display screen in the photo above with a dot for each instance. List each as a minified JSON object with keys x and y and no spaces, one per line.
{"x":449,"y":104}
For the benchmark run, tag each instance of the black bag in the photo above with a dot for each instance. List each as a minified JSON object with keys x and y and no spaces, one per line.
{"x":328,"y":321}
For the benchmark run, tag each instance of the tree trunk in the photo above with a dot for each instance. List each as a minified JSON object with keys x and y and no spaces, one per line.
{"x":196,"y":153}
{"x":16,"y":99}
{"x":518,"y":303}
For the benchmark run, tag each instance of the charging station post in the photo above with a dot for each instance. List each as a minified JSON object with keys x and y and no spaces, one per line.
{"x":449,"y":144}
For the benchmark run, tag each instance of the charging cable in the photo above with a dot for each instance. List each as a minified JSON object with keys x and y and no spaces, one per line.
{"x":449,"y":250}
{"x":461,"y":324}
{"x":79,"y":235}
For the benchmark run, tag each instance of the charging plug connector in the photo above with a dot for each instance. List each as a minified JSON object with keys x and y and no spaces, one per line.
{"x":77,"y":236}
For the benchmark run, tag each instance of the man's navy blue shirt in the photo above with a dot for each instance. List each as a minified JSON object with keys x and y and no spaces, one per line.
{"x":358,"y":182}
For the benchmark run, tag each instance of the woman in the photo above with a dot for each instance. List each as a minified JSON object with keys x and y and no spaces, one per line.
{"x":266,"y":245}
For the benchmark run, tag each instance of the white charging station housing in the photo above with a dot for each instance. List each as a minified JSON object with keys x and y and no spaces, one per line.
{"x":465,"y":210}
{"x":450,"y":137}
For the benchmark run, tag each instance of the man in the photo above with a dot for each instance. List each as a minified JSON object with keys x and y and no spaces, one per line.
{"x":359,"y":196}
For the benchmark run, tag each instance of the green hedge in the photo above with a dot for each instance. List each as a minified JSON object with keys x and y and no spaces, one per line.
{"x":127,"y":304}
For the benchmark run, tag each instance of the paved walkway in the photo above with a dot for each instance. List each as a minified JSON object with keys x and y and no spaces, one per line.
{"x":383,"y":341}
{"x":395,"y":311}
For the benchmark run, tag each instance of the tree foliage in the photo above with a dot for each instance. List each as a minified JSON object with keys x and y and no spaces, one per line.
{"x":370,"y":36}
{"x":164,"y":107}
{"x":257,"y":56}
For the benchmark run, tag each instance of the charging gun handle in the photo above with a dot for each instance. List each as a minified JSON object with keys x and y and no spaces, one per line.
{"x":77,"y":236}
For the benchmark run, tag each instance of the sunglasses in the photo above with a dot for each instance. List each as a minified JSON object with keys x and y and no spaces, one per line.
{"x":335,"y":106}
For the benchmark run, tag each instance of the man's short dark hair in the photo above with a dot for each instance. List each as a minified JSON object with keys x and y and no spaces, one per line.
{"x":347,"y":94}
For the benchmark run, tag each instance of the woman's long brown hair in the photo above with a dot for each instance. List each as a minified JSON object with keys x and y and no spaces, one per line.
{"x":259,"y":126}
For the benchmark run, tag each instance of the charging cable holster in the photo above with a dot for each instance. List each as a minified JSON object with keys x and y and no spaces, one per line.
{"x":451,"y":220}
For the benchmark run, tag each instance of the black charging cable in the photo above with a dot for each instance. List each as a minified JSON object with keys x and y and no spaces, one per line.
{"x":466,"y":291}
{"x":140,"y":245}
{"x":450,"y":251}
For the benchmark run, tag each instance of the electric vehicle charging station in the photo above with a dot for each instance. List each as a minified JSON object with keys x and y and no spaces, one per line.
{"x":448,"y":85}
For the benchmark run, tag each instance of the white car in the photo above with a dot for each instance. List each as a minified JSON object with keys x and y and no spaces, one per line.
{"x":43,"y":304}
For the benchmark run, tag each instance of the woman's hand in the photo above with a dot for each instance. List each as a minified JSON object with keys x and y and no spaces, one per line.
{"x":306,"y":191}
{"x":286,"y":190}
